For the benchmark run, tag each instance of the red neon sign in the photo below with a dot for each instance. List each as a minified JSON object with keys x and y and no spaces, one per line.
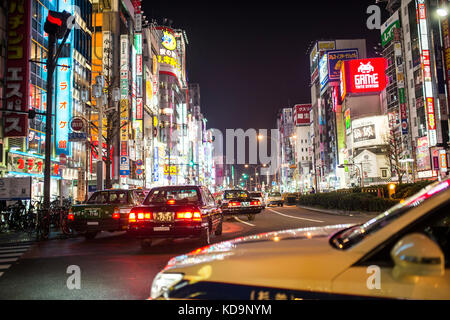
{"x":364,"y":75}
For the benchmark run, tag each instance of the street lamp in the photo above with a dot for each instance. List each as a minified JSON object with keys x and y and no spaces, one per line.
{"x":442,"y":12}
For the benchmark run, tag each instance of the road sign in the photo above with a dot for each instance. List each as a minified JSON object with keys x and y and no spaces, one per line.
{"x":124,"y":166}
{"x":77,"y":124}
{"x":139,"y":163}
{"x":77,"y":136}
{"x":62,"y":159}
{"x":138,"y":171}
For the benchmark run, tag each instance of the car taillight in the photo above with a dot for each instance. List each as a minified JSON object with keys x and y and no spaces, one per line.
{"x":190,"y":216}
{"x":70,"y":217}
{"x":171,"y":201}
{"x":234,"y":204}
{"x":116,"y":213}
{"x":139,"y":215}
{"x":255,"y":203}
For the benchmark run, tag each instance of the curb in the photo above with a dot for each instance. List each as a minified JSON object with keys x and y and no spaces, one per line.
{"x":341,"y":212}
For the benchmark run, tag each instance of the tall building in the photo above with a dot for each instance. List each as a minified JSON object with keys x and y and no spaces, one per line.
{"x":325,"y":59}
{"x":414,"y":39}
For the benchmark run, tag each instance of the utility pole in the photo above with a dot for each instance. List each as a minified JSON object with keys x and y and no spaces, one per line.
{"x":98,"y":94}
{"x":57,"y":26}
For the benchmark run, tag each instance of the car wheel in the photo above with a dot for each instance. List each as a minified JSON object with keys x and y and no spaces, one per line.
{"x":218,"y":231}
{"x":251,"y":217}
{"x":146,"y":243}
{"x":281,"y":204}
{"x":90,"y":235}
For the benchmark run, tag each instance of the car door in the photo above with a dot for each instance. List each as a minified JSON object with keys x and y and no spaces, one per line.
{"x":361,"y":278}
{"x":210,"y":207}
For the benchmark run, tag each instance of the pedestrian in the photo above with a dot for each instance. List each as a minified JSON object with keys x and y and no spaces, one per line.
{"x":313,"y":190}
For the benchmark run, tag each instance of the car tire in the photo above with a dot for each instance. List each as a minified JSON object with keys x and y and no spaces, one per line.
{"x":251,"y":217}
{"x":146,"y":243}
{"x":90,"y":235}
{"x":219,"y":228}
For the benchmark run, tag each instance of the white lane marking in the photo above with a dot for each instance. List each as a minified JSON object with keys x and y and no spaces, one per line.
{"x":282,"y":214}
{"x":12,"y":250}
{"x":252,"y":225}
{"x":1,"y":273}
{"x":6,"y":266}
{"x":11,"y":254}
{"x":9,"y":260}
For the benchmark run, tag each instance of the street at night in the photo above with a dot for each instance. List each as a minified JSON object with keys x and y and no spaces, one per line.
{"x":248,"y":152}
{"x":113,"y":266}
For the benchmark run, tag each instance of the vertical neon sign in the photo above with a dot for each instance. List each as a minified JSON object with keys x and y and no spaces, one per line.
{"x":63,"y":106}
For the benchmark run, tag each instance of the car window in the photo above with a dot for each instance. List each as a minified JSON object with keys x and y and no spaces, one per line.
{"x":160,"y":195}
{"x":274,"y":194}
{"x":435,"y":226}
{"x":209,"y":197}
{"x":235,"y":194}
{"x":355,"y":234}
{"x":256,"y":194}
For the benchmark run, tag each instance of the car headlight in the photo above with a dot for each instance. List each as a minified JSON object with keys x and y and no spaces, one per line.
{"x":163,"y":282}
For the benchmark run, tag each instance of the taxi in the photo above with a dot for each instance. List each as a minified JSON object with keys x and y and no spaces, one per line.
{"x":402,"y":253}
{"x":105,"y":210}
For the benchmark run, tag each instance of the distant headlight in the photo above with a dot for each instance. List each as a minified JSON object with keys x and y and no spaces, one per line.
{"x":163,"y":282}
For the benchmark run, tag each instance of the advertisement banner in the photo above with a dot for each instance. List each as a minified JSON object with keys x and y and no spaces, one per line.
{"x":17,"y":68}
{"x":335,"y":59}
{"x":423,"y":154}
{"x":387,"y":29}
{"x":124,"y":75}
{"x":323,"y":71}
{"x":63,"y":106}
{"x":369,"y":131}
{"x":301,"y":114}
{"x":446,"y":42}
{"x":15,"y":188}
{"x":364,"y":76}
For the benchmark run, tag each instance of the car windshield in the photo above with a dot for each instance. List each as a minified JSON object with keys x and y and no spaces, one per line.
{"x":274,"y":194}
{"x":349,"y":237}
{"x":232,"y":194}
{"x":109,"y":197}
{"x":161,"y":195}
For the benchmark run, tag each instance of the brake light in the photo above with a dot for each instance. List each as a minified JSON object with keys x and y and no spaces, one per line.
{"x":70,"y":216}
{"x":255,"y":203}
{"x":234,"y":204}
{"x":139,"y":214}
{"x":192,"y":216}
{"x":171,"y":201}
{"x":116,"y":214}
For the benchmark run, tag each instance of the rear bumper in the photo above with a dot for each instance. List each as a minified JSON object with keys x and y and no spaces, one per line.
{"x":88,"y":225}
{"x":275,"y":202}
{"x":241,"y":210}
{"x":170,"y":230}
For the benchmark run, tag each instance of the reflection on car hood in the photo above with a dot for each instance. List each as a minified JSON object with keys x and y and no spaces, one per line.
{"x":273,"y":243}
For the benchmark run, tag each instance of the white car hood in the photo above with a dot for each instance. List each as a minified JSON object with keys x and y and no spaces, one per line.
{"x":296,"y":258}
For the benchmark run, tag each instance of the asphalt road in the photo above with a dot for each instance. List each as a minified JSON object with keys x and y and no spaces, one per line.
{"x":113,"y":265}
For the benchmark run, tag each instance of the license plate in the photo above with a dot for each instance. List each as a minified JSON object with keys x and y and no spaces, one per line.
{"x":92,"y":223}
{"x":245,"y":204}
{"x":91,"y":212}
{"x":163,"y":216}
{"x":161,"y":228}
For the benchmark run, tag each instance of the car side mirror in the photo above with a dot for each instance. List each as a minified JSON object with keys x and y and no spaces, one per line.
{"x":417,"y":255}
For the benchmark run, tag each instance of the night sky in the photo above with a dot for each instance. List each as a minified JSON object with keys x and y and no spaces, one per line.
{"x":250,"y":58}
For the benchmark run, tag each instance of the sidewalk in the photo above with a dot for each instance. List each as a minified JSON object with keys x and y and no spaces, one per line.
{"x":341,"y":212}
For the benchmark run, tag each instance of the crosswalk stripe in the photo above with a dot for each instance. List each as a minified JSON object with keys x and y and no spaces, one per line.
{"x":4,"y":266}
{"x":15,"y":247}
{"x":1,"y":273}
{"x":9,"y":260}
{"x":12,"y":250}
{"x":17,"y":254}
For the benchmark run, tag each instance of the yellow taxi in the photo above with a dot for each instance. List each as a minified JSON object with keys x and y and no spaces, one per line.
{"x":402,"y":253}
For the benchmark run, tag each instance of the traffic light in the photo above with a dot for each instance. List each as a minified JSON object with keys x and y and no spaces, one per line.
{"x":191,"y":163}
{"x":244,"y":176}
{"x":391,"y":189}
{"x":58,"y":23}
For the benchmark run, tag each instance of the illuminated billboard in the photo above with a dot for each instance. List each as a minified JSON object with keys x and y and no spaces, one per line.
{"x":369,"y":131}
{"x":335,"y":59}
{"x":63,"y":106}
{"x":301,"y":114}
{"x":323,"y":71}
{"x":363,"y":76}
